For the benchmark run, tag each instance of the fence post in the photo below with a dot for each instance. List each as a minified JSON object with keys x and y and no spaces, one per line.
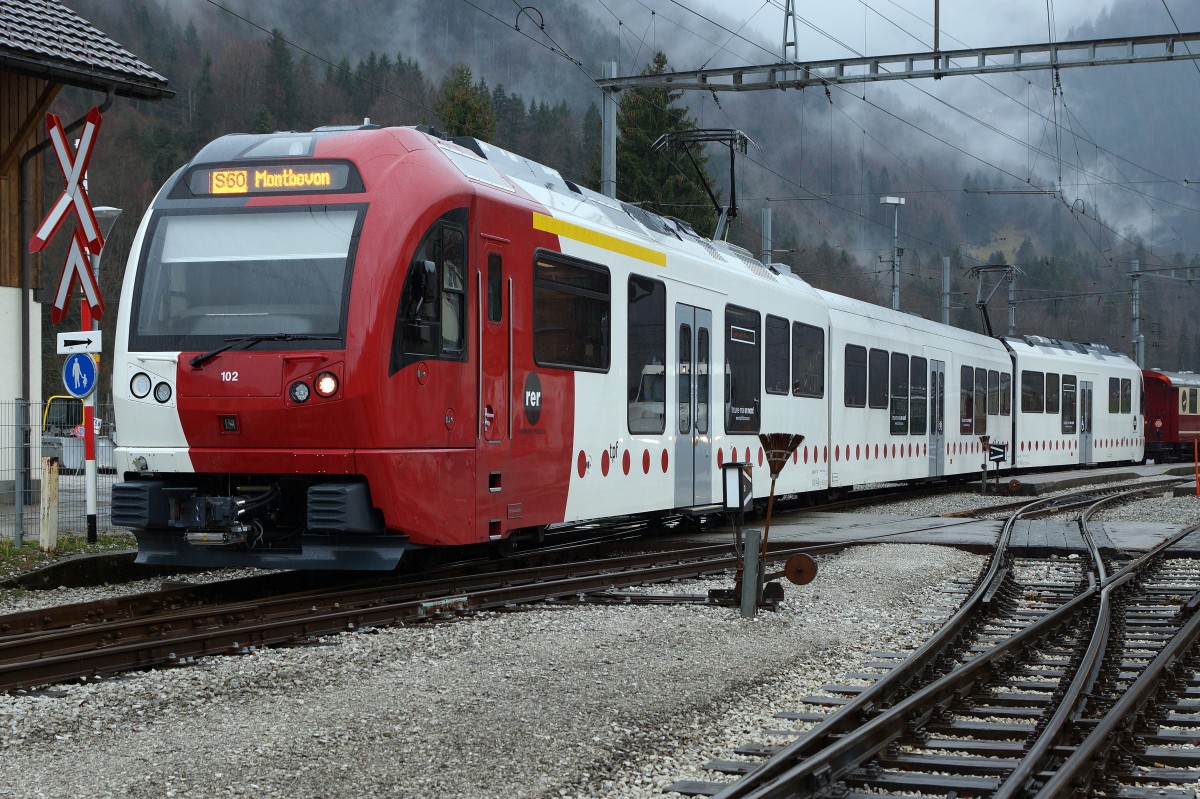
{"x":21,"y":471}
{"x":49,"y":534}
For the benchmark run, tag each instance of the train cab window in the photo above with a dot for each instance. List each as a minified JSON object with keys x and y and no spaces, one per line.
{"x":877,"y":379}
{"x":1070,"y":406}
{"x":1126,"y":395}
{"x":743,"y":370}
{"x":899,"y":394}
{"x":454,"y":291}
{"x":647,"y":357}
{"x":918,"y":414}
{"x":571,"y":313}
{"x":980,"y":403}
{"x":495,"y":284}
{"x":777,"y":355}
{"x":993,"y":392}
{"x":430,"y":322}
{"x":1187,"y":401}
{"x":1052,"y":394}
{"x":1005,"y":394}
{"x":1033,"y":392}
{"x":808,"y":361}
{"x":966,"y":400}
{"x":1114,"y":395}
{"x":855,"y":389}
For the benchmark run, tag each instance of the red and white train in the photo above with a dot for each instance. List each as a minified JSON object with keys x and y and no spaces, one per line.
{"x":337,"y":346}
{"x":1172,"y":414}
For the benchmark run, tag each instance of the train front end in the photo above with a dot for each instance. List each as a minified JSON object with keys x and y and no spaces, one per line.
{"x":234,"y":371}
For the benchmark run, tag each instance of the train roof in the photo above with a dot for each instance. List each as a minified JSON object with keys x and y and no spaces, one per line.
{"x":1174,"y":379}
{"x":879,"y":313}
{"x":547,"y":186}
{"x":1061,"y":348}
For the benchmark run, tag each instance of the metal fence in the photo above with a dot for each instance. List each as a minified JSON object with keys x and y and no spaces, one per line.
{"x":24,"y":441}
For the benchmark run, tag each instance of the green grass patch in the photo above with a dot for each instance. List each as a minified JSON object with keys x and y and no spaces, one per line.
{"x":15,"y":559}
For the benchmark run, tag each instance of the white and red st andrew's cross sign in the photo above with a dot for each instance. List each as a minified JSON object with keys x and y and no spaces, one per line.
{"x":87,"y":237}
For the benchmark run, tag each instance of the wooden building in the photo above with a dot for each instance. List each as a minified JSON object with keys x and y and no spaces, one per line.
{"x":44,"y":46}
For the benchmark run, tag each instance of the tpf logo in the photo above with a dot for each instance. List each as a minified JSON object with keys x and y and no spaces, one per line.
{"x":533,"y":398}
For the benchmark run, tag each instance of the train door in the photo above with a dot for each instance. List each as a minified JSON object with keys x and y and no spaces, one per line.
{"x":693,"y":445}
{"x":1085,"y":421}
{"x":937,"y":418}
{"x":493,"y":312}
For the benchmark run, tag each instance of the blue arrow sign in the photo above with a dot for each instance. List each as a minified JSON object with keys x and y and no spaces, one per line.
{"x":79,"y":375}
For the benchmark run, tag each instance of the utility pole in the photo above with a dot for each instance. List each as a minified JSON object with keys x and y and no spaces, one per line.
{"x":945,"y":289}
{"x":1012,"y":302}
{"x":765,"y":256}
{"x":895,"y":202}
{"x":608,"y":136}
{"x":1136,"y":343}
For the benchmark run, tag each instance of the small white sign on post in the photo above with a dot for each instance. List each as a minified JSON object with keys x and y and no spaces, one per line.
{"x":85,"y":341}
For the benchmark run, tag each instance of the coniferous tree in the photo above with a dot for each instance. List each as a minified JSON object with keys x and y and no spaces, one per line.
{"x":279,"y":95}
{"x":664,"y":180}
{"x":465,"y":108}
{"x":593,"y":127}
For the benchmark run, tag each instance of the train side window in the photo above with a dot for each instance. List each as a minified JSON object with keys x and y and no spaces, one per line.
{"x":1033,"y":391}
{"x":647,"y":356}
{"x":855,"y":389}
{"x":808,"y":361}
{"x":1126,"y":395}
{"x":981,"y":400}
{"x":993,"y":392}
{"x":1052,"y":392}
{"x":877,"y":379}
{"x":1193,"y":406}
{"x":1114,"y":395}
{"x":899,"y":394}
{"x":778,"y":357}
{"x":495,"y":283}
{"x":1005,"y":394}
{"x":571,"y":313}
{"x":966,"y":400}
{"x":1069,"y":405}
{"x":918,"y":415}
{"x":743,"y":370}
{"x":430,"y":320}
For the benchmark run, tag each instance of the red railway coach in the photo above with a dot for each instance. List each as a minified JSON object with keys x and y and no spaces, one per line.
{"x":337,"y":346}
{"x":1172,"y":414}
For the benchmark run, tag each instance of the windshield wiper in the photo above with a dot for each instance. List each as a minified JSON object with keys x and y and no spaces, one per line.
{"x":245,"y":342}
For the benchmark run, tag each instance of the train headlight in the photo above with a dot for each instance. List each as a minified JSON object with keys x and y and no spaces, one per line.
{"x":299,"y":392}
{"x":139,"y":386}
{"x":162,"y":392}
{"x":326,"y":384}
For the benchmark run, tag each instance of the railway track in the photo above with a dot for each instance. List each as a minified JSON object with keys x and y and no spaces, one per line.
{"x":1054,"y":678}
{"x":175,"y":627}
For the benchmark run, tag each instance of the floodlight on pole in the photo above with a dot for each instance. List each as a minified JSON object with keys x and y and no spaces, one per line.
{"x":896,"y":202}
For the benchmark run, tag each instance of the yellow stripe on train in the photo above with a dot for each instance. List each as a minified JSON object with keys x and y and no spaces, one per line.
{"x":595,"y":238}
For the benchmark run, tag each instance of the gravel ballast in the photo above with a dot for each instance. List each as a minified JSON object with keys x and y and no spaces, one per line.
{"x":587,"y":701}
{"x":611,"y":702}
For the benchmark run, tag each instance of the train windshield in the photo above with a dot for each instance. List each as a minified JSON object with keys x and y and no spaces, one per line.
{"x":207,"y":277}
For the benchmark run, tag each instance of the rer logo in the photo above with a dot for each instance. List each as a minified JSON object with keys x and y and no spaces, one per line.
{"x":533,"y":398}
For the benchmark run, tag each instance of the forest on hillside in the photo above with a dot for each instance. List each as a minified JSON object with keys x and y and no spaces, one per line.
{"x":309,"y":70}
